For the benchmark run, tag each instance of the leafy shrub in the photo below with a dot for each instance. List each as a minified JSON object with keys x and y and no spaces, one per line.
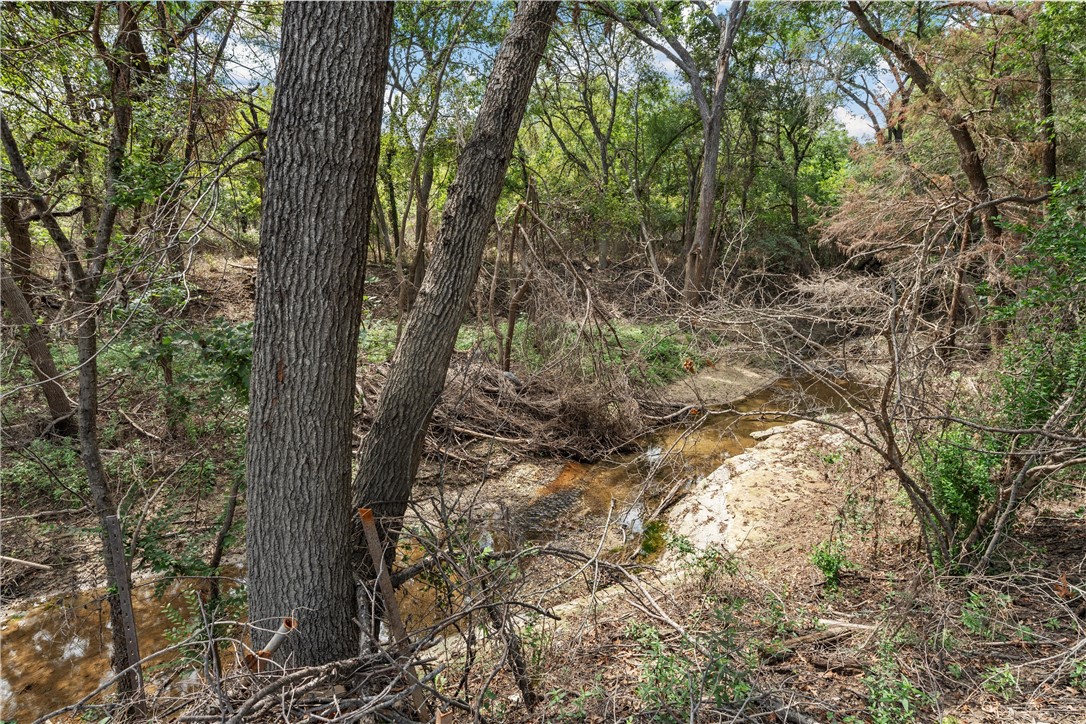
{"x":891,"y":696}
{"x":673,"y":678}
{"x":981,"y":611}
{"x":959,"y":472}
{"x":46,"y":470}
{"x":1001,"y":681}
{"x":229,"y":348}
{"x":967,"y":466}
{"x":829,"y":557}
{"x":1078,"y":675}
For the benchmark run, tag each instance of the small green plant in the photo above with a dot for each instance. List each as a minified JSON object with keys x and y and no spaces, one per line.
{"x":1078,"y":675}
{"x":775,"y":618}
{"x":665,"y":680}
{"x":829,"y":557}
{"x":577,"y":707}
{"x":1001,"y":681}
{"x":707,"y":562}
{"x":705,"y":669}
{"x":979,"y":613}
{"x":538,"y":642}
{"x":45,"y":471}
{"x":891,"y":696}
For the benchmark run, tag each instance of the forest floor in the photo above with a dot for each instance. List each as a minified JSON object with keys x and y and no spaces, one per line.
{"x":778,"y":565}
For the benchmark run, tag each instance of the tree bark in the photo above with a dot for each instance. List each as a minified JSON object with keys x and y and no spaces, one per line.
{"x":1048,"y":119}
{"x":37,"y":348}
{"x":323,"y":145}
{"x":697,"y":269}
{"x":391,"y":449}
{"x":18,"y":230}
{"x":410,"y":284}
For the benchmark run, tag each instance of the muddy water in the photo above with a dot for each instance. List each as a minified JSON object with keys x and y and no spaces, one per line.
{"x":56,"y":652}
{"x":634,"y":483}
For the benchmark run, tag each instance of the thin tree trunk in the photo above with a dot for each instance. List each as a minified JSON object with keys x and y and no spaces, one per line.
{"x":390,"y":189}
{"x":37,"y":348}
{"x":86,"y":274}
{"x":391,"y":449}
{"x":696,"y":263}
{"x":950,"y":336}
{"x":690,"y":202}
{"x":382,"y":227}
{"x":410,"y":286}
{"x":323,"y":145}
{"x":1048,"y":119}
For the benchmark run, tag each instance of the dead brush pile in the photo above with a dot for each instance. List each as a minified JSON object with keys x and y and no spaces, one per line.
{"x":547,"y":414}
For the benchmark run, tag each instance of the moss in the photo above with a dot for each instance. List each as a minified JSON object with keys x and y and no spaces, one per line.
{"x":652,"y":540}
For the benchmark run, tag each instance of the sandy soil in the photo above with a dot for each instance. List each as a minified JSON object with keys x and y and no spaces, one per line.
{"x":718,"y":385}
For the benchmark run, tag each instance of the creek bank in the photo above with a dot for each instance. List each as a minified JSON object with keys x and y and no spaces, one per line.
{"x":769,"y":505}
{"x":763,"y":498}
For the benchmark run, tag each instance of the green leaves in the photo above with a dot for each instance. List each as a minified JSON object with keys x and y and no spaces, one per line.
{"x":959,"y":470}
{"x":143,"y":181}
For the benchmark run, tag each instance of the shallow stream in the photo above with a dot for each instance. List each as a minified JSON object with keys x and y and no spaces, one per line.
{"x":57,"y":651}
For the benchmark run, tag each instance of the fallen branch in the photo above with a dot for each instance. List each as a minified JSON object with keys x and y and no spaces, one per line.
{"x":137,"y":427}
{"x":487,"y":436}
{"x":29,"y":564}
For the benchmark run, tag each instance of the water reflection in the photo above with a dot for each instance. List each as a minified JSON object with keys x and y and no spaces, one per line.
{"x":683,"y":452}
{"x":57,"y":652}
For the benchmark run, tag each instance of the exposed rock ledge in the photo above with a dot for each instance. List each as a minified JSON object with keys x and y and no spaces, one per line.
{"x":718,"y":385}
{"x":770,"y":501}
{"x":756,"y":499}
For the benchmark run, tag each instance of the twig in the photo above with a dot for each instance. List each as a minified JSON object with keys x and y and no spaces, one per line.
{"x":28,"y":564}
{"x":137,"y":427}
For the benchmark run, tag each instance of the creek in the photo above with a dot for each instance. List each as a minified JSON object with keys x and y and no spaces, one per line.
{"x":57,"y":651}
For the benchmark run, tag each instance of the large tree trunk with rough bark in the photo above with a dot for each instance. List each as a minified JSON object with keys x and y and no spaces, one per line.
{"x":391,"y":449}
{"x":323,"y":147}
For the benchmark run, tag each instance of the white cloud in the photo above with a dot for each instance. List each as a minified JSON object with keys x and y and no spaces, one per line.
{"x":855,"y":126}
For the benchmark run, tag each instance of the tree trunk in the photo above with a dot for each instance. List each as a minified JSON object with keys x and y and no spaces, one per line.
{"x":690,"y":205}
{"x":391,"y":449}
{"x":969,"y":158}
{"x":390,"y":189}
{"x":19,"y":233}
{"x":382,"y":228}
{"x":37,"y":348}
{"x":1048,"y":119}
{"x":323,"y":145}
{"x":409,"y":286}
{"x":697,"y":270}
{"x":86,"y":273}
{"x":126,"y":652}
